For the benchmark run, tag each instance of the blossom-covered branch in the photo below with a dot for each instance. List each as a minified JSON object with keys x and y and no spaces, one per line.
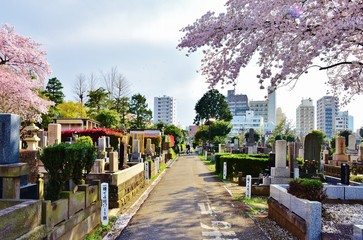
{"x":287,"y":36}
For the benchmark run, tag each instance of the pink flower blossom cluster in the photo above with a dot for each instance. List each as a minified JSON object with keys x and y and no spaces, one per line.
{"x":288,"y":37}
{"x":23,"y":69}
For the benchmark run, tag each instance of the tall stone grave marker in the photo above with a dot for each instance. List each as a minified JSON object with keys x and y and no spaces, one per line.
{"x":352,"y":147}
{"x":280,"y":174}
{"x":10,"y":168}
{"x":251,"y":137}
{"x":54,"y":133}
{"x":312,"y":148}
{"x":339,"y":156}
{"x":136,"y":155}
{"x":9,"y":138}
{"x":101,"y":143}
{"x":148,"y":149}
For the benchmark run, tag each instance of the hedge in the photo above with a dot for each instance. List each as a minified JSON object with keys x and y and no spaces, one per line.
{"x":248,"y":164}
{"x":94,"y":133}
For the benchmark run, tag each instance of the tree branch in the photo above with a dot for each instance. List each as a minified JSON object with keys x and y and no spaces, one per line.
{"x":337,"y":64}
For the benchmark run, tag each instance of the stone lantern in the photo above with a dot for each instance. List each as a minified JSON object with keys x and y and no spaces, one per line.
{"x":32,"y":139}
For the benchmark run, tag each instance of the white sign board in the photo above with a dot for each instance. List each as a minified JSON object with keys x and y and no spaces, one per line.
{"x":248,"y":186}
{"x":147,"y":171}
{"x":104,"y":207}
{"x":157,"y":165}
{"x":224,"y":170}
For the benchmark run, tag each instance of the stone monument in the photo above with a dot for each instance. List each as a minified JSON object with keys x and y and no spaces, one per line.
{"x":10,"y":168}
{"x":280,"y":174}
{"x":54,"y":133}
{"x":339,"y":156}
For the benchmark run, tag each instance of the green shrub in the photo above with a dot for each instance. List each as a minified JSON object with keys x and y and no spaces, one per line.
{"x":248,"y":164}
{"x":64,"y":162}
{"x":311,"y":189}
{"x":356,"y":178}
{"x":85,"y":140}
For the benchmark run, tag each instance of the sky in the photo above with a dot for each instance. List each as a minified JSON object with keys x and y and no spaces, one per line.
{"x":139,"y":38}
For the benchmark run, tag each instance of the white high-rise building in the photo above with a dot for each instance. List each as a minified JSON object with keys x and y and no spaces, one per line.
{"x":326,"y":110}
{"x":305,"y":118}
{"x":243,"y":123}
{"x":271,"y":115}
{"x":341,"y":121}
{"x":165,"y":110}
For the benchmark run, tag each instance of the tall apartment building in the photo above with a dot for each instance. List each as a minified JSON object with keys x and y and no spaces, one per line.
{"x":265,"y":108}
{"x":245,"y":122}
{"x":341,"y":121}
{"x":165,"y":110}
{"x":305,"y":118}
{"x":260,"y":108}
{"x":237,"y":103}
{"x":326,"y":110}
{"x":271,"y":107}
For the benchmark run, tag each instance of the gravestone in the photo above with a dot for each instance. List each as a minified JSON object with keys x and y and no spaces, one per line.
{"x":312,"y":148}
{"x":10,"y":168}
{"x":113,"y":165}
{"x":351,"y":145}
{"x":43,"y":139}
{"x":339,"y":156}
{"x":54,"y":133}
{"x":251,"y":137}
{"x":292,"y":153}
{"x":221,"y":148}
{"x":271,"y":161}
{"x":136,"y":155}
{"x":235,"y":144}
{"x":148,"y":149}
{"x":101,"y":143}
{"x":9,"y":138}
{"x":280,"y":174}
{"x":344,"y":173}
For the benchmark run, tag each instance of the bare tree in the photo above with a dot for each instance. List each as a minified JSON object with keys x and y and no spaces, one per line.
{"x":80,"y":88}
{"x":109,"y":79}
{"x":92,"y":82}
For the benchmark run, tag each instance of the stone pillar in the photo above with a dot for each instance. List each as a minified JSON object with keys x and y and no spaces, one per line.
{"x":280,"y":174}
{"x":339,"y":155}
{"x":113,"y":161}
{"x":280,"y":159}
{"x":340,"y":145}
{"x":10,"y":168}
{"x":54,"y":133}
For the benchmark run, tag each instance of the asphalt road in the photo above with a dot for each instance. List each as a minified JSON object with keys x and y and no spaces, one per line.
{"x":190,"y":203}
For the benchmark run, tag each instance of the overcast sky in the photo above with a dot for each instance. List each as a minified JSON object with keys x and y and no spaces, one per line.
{"x":139,"y":37}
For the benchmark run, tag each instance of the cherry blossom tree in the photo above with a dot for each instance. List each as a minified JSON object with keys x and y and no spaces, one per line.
{"x":23,"y":69}
{"x":288,"y":37}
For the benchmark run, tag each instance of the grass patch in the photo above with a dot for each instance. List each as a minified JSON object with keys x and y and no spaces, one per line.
{"x":101,"y":230}
{"x":256,"y":204}
{"x":211,"y":166}
{"x":161,"y":169}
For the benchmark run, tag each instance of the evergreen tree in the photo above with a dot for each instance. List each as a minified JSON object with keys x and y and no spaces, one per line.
{"x":141,"y":114}
{"x":53,"y":91}
{"x":212,"y":105}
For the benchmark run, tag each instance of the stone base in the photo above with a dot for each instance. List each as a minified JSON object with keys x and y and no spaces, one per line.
{"x":338,"y":162}
{"x":280,"y":180}
{"x":340,"y":157}
{"x":280,"y":172}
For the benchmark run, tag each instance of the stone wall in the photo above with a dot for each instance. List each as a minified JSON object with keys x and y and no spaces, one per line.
{"x":123,"y":185}
{"x":288,"y":220}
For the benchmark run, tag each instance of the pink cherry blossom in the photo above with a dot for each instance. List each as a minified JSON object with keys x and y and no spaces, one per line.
{"x":23,"y":69}
{"x":288,"y":37}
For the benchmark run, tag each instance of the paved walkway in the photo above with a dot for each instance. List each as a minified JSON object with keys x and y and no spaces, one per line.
{"x":189,"y":202}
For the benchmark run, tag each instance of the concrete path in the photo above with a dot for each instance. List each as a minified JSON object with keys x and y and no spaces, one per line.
{"x":190,"y":203}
